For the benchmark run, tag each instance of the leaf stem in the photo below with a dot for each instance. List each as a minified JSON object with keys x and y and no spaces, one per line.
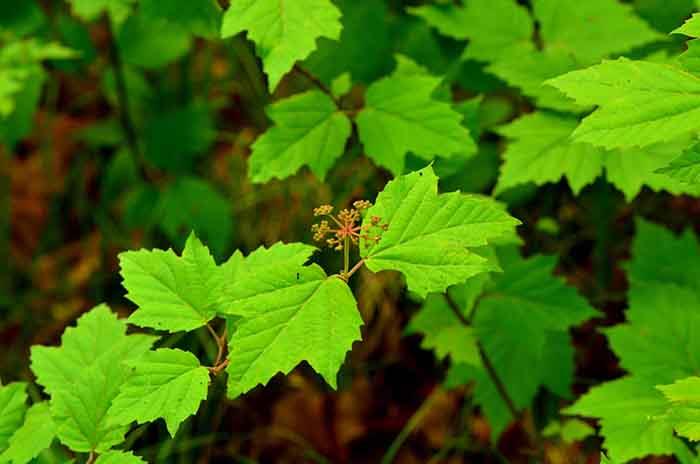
{"x":219,"y":363}
{"x":317,"y":82}
{"x":91,"y":457}
{"x":355,"y":268}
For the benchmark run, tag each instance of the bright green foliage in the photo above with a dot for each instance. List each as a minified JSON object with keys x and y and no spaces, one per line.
{"x":690,"y":59}
{"x":295,"y":313}
{"x":85,"y":374}
{"x":90,"y":10}
{"x":20,"y":63}
{"x":640,"y":103}
{"x":309,"y":130}
{"x":151,"y":42}
{"x":492,"y":26}
{"x":200,"y":17}
{"x":118,"y":457}
{"x":684,"y":396}
{"x":283,"y":32}
{"x":244,"y":276}
{"x":167,"y":383}
{"x":429,"y":235}
{"x":458,"y":342}
{"x":172,"y":293}
{"x":570,"y":431}
{"x":664,"y":304}
{"x":631,"y":418}
{"x":592,"y":29}
{"x":401,"y":116}
{"x":685,"y":168}
{"x":35,"y":435}
{"x":13,"y":406}
{"x":541,"y":150}
{"x":691,"y":27}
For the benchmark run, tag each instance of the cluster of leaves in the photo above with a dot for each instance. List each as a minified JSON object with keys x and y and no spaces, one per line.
{"x":279,"y":311}
{"x":502,"y":320}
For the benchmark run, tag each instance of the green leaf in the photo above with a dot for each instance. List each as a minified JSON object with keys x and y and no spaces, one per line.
{"x":684,"y":396}
{"x":167,"y":383}
{"x":659,"y":312}
{"x":541,"y":150}
{"x":664,"y":304}
{"x":401,"y":116}
{"x":283,"y":32}
{"x":90,"y":10}
{"x":84,"y":375}
{"x":172,"y":293}
{"x":35,"y":435}
{"x":13,"y":406}
{"x":662,"y":258}
{"x":685,"y":168}
{"x":152,"y":42}
{"x":570,"y":431}
{"x":640,"y":103}
{"x":691,"y":27}
{"x":528,"y":70}
{"x":523,"y":320}
{"x":200,"y":17}
{"x":118,"y":457}
{"x":246,"y":277}
{"x":690,"y":59}
{"x":173,"y":139}
{"x":593,"y":29}
{"x":191,"y":203}
{"x":429,"y":235}
{"x":491,"y":27}
{"x":364,"y":28}
{"x":295,"y":313}
{"x":309,"y":130}
{"x":631,"y":418}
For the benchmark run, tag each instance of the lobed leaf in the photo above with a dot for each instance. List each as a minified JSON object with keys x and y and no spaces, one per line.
{"x":309,"y":130}
{"x":288,"y":313}
{"x":284,"y":32}
{"x":431,"y":236}
{"x":32,"y":437}
{"x":167,"y":383}
{"x":172,"y":293}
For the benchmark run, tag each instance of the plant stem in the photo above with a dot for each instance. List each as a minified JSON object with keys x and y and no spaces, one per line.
{"x":488,"y":366}
{"x":354,"y":269}
{"x":530,"y":427}
{"x":346,"y":255}
{"x":91,"y":458}
{"x":411,"y":425}
{"x":125,"y":119}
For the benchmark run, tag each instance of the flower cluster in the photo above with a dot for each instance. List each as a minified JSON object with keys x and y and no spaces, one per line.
{"x":345,"y":227}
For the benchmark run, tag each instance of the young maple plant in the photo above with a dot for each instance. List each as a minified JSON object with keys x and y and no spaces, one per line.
{"x":274,"y":308}
{"x":530,"y":100}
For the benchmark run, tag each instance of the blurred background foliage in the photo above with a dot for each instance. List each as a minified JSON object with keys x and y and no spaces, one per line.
{"x":128,"y":123}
